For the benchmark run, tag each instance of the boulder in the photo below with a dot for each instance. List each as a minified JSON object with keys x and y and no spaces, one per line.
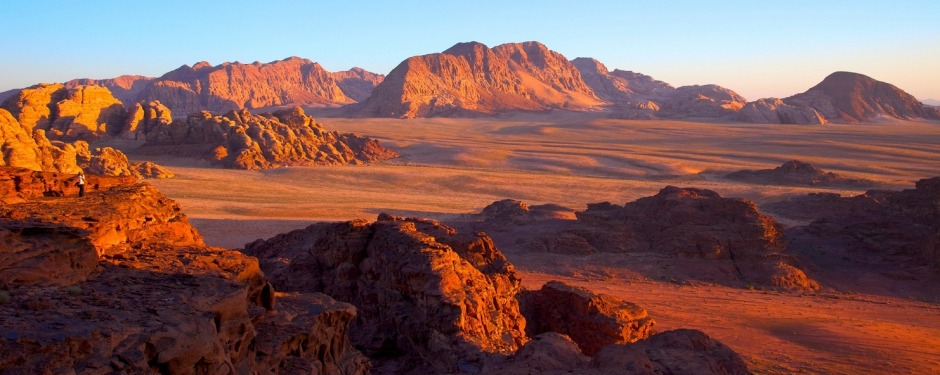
{"x":592,"y":320}
{"x":681,"y":351}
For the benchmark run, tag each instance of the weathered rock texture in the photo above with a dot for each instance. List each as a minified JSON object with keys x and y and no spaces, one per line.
{"x":32,"y":150}
{"x":889,"y":223}
{"x":470,"y":78}
{"x":292,"y":81}
{"x":119,"y":282}
{"x":357,"y":83}
{"x":852,"y":97}
{"x":429,"y":298}
{"x":80,"y":112}
{"x":242,"y":140}
{"x":687,"y":224}
{"x":125,"y":88}
{"x":680,"y":351}
{"x":702,"y":102}
{"x":144,"y":118}
{"x":797,"y":173}
{"x":775,"y":111}
{"x":18,"y":185}
{"x":592,"y":320}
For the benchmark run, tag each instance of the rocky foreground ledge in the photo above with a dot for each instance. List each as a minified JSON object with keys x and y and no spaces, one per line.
{"x":119,"y":281}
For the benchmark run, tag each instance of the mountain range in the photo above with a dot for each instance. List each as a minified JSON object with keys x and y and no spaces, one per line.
{"x":471,"y":79}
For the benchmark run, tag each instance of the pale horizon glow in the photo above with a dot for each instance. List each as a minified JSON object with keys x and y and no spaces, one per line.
{"x":758,"y":49}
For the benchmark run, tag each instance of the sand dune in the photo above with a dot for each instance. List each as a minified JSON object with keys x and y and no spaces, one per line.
{"x":451,"y":167}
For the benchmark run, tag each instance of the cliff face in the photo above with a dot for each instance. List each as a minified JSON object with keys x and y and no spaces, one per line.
{"x":470,"y":78}
{"x":80,"y":112}
{"x":292,"y":81}
{"x":125,"y":88}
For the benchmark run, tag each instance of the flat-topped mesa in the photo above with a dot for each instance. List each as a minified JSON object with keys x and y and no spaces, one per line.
{"x":241,"y":140}
{"x":118,"y":281}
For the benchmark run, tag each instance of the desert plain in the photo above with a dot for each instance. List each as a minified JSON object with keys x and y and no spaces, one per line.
{"x":451,"y":168}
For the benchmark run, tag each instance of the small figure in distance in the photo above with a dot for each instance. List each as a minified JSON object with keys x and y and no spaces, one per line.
{"x":81,"y":184}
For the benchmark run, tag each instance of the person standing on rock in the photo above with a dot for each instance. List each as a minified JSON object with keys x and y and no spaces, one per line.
{"x":81,"y":184}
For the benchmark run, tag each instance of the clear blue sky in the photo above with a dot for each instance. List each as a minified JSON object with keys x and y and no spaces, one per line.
{"x":757,"y":48}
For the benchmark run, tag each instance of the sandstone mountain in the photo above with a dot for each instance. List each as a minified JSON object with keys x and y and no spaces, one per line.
{"x":357,"y":83}
{"x":852,"y":97}
{"x":293,"y":81}
{"x":471,"y":78}
{"x":239,"y":139}
{"x":798,"y":173}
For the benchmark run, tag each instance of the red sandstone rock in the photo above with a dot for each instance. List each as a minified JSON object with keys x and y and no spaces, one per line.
{"x":797,"y":173}
{"x":80,"y":112}
{"x":775,"y":111}
{"x":125,"y":88}
{"x":852,"y":97}
{"x":470,"y":78}
{"x":242,"y":140}
{"x":592,"y":320}
{"x":442,"y":300}
{"x":146,"y":295}
{"x":357,"y":83}
{"x":145,"y":118}
{"x":702,"y":101}
{"x":672,"y":352}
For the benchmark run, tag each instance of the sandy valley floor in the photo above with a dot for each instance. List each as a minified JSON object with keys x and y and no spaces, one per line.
{"x":451,"y":167}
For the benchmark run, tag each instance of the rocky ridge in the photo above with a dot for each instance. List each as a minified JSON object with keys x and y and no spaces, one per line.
{"x":239,"y":139}
{"x":695,"y":232}
{"x":119,"y":281}
{"x":852,"y":97}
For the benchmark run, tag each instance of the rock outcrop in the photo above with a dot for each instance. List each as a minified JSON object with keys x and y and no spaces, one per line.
{"x":242,"y":140}
{"x":471,"y":78}
{"x":357,"y":83}
{"x":144,"y":118}
{"x":32,"y":150}
{"x":120,"y":282}
{"x":592,"y":320}
{"x":775,"y":111}
{"x":798,"y":173}
{"x":681,"y":351}
{"x":851,"y":97}
{"x":125,"y":88}
{"x":80,"y":112}
{"x":890,"y":223}
{"x":706,"y":101}
{"x":230,"y":86}
{"x":727,"y":236}
{"x":429,"y":298}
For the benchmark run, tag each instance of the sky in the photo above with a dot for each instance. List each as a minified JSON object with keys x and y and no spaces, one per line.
{"x":756,"y":48}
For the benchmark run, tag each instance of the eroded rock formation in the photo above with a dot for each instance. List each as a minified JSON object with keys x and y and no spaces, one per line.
{"x":471,"y":78}
{"x":230,"y":86}
{"x":775,"y":111}
{"x":242,"y":140}
{"x":592,"y":320}
{"x":80,"y":112}
{"x":797,"y":173}
{"x":428,"y":297}
{"x":120,"y":282}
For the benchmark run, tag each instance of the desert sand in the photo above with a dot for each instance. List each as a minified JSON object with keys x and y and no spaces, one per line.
{"x":453,"y":167}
